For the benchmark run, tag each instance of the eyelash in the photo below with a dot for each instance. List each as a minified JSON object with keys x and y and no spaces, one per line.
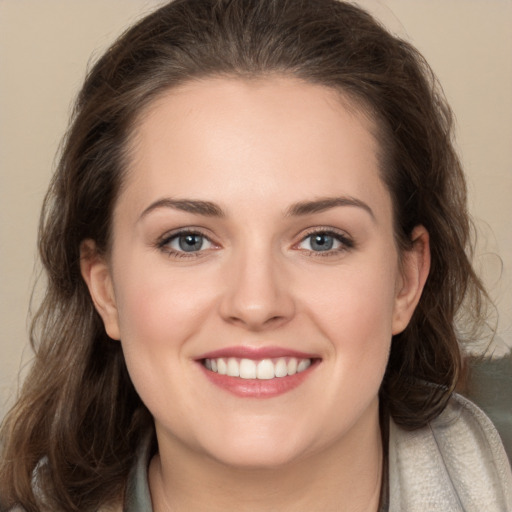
{"x":345,"y":242}
{"x":163,"y":243}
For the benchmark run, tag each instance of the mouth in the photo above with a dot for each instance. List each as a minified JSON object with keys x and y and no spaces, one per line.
{"x":264,"y":369}
{"x":257,"y":373}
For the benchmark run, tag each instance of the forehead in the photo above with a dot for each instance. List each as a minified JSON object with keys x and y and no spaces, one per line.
{"x":253,"y":137}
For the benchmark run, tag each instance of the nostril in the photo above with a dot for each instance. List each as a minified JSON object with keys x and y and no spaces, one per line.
{"x":256,"y":300}
{"x":255,"y":322}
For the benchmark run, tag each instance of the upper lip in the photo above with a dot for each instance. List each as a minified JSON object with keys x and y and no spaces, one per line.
{"x":257,"y":353}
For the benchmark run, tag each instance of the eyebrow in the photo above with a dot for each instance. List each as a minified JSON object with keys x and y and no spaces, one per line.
{"x":205,"y":208}
{"x":301,"y":208}
{"x":326,"y":203}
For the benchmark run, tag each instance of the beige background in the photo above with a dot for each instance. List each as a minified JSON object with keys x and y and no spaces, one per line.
{"x":44,"y":50}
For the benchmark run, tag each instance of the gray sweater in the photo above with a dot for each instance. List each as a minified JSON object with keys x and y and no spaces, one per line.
{"x":457,"y":463}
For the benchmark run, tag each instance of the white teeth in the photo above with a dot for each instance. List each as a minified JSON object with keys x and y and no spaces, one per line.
{"x":233,"y":367}
{"x":291,"y":366}
{"x":303,"y":365}
{"x":264,"y":369}
{"x":222,"y":367}
{"x":281,"y":369}
{"x":247,"y":369}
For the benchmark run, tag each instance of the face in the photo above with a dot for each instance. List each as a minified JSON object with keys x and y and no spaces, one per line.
{"x":253,"y":280}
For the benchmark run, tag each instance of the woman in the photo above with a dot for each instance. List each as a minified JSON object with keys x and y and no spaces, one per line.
{"x":256,"y":248}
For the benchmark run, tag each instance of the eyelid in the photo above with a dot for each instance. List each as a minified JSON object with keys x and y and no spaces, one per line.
{"x":162,"y":243}
{"x":346,"y":241}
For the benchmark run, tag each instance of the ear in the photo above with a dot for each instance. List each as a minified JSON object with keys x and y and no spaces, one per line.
{"x":96,"y":273}
{"x":414,"y":273}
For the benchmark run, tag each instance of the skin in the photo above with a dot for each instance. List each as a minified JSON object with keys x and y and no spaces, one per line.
{"x":254,"y":149}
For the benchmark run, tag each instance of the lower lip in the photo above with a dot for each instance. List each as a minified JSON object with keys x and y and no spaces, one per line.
{"x":259,"y":388}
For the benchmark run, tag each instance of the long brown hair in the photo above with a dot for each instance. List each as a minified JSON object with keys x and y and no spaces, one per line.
{"x":78,"y":418}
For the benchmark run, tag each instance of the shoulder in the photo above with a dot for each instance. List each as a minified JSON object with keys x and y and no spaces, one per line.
{"x":456,"y":463}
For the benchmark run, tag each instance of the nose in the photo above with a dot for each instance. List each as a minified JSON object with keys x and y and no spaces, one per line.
{"x":257,"y":293}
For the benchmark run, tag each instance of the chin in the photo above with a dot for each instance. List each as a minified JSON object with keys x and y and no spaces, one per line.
{"x":256,"y":457}
{"x":262,"y":447}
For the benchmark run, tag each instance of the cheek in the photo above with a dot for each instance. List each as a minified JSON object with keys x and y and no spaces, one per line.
{"x":159,"y":312}
{"x":357,"y":301}
{"x":157,"y":305}
{"x":356,"y":316}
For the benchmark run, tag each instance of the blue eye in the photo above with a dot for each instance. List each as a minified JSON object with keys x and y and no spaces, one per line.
{"x":187,"y":242}
{"x":324,"y":241}
{"x":190,"y":243}
{"x":321,"y":242}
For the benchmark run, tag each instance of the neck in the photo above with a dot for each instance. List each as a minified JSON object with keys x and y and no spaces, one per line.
{"x":344,"y":476}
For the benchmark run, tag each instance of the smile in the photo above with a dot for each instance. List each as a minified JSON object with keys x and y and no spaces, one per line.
{"x":262,"y":372}
{"x":264,"y":369}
